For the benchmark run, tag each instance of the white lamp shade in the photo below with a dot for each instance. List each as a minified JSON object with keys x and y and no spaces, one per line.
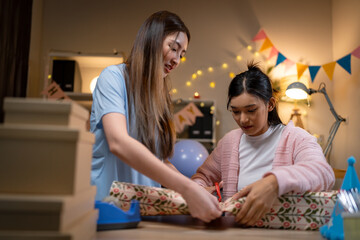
{"x":296,"y":93}
{"x":297,"y":90}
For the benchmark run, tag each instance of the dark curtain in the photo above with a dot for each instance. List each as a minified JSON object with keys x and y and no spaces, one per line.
{"x":15,"y":27}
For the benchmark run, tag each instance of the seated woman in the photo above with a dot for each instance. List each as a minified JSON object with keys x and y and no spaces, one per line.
{"x":263,"y":159}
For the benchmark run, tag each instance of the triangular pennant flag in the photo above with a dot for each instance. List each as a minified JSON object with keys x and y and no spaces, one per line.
{"x":54,"y":91}
{"x":313,"y":71}
{"x":356,"y":52}
{"x":183,"y":117}
{"x":266,"y":44}
{"x":288,"y":64}
{"x":259,"y":36}
{"x":179,"y":123}
{"x":345,"y":62}
{"x":280,"y":59}
{"x":273,"y":52}
{"x":187,"y":115}
{"x":193,"y":109}
{"x":329,"y":69}
{"x":301,"y":69}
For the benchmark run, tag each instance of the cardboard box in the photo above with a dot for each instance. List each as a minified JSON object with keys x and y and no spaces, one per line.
{"x":84,"y":229}
{"x":44,"y":212}
{"x":45,"y":112}
{"x":44,"y":159}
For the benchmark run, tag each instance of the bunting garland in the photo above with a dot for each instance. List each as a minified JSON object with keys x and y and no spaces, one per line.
{"x":186,"y":116}
{"x":54,"y":91}
{"x":313,"y":71}
{"x":344,"y":62}
{"x":356,"y":52}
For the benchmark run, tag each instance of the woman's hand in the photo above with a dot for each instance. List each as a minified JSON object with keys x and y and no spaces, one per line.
{"x":201,"y":203}
{"x":260,"y":197}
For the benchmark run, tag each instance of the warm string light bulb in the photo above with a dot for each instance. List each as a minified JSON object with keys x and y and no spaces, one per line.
{"x":223,"y":66}
{"x":183,"y":59}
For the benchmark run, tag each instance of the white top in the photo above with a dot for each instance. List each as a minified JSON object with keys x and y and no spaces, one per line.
{"x":256,"y":155}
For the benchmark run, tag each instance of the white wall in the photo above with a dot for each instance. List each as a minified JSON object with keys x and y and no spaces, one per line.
{"x":303,"y":31}
{"x":346,"y":38}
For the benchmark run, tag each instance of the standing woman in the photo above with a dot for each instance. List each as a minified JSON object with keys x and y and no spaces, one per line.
{"x":132,"y":120}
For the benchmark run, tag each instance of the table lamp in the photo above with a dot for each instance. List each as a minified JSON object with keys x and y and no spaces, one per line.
{"x":298,"y":90}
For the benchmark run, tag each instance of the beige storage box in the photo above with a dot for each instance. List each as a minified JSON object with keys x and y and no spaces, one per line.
{"x":83,"y":229}
{"x":45,"y":112}
{"x":44,"y":159}
{"x":44,"y":212}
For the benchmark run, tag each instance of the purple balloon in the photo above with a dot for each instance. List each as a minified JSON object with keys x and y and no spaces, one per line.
{"x":188,"y":156}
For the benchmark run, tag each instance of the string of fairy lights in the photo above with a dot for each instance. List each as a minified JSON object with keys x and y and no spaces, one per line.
{"x":210,"y":69}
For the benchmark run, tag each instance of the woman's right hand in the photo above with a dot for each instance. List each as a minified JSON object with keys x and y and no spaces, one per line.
{"x":201,"y":203}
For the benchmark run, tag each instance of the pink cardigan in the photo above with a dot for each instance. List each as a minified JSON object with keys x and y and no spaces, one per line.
{"x":299,"y":163}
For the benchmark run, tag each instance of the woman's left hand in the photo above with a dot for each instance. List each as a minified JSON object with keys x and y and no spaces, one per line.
{"x":260,"y":196}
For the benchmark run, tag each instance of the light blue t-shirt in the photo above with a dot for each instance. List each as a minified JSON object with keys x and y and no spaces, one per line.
{"x":110,"y":96}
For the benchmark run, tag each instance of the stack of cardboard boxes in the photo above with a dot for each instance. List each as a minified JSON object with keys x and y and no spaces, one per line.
{"x":45,"y":167}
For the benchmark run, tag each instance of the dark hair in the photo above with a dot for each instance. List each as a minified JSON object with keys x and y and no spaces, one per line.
{"x":145,"y":85}
{"x":257,"y":83}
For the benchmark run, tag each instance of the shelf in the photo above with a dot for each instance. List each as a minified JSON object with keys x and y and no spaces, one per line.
{"x":79,"y":96}
{"x":87,"y":67}
{"x":83,"y":99}
{"x":204,"y":128}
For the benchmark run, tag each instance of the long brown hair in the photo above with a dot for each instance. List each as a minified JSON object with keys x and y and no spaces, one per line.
{"x":147,"y":89}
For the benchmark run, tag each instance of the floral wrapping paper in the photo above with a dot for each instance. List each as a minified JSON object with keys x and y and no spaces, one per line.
{"x":295,"y":211}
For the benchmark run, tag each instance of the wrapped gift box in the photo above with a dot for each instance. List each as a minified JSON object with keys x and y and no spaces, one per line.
{"x":306,"y":211}
{"x":44,"y":159}
{"x":44,"y":213}
{"x":39,"y":111}
{"x":83,"y":229}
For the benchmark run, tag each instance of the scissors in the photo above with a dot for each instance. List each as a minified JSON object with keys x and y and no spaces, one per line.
{"x":218,"y":191}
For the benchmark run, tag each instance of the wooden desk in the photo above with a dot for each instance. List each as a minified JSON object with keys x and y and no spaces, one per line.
{"x":185,"y":227}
